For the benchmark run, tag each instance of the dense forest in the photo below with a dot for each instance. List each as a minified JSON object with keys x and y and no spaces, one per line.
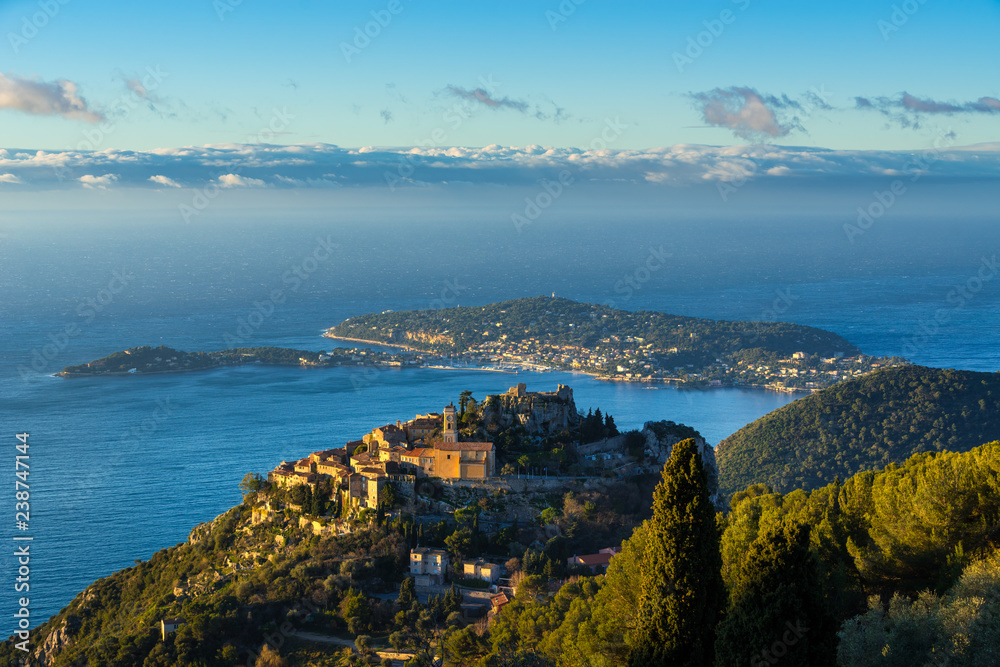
{"x":862,"y":424}
{"x":565,"y":322}
{"x":898,"y":567}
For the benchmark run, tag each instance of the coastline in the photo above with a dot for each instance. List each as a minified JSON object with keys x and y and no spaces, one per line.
{"x":64,"y":374}
{"x":327,"y":334}
{"x":515,"y":368}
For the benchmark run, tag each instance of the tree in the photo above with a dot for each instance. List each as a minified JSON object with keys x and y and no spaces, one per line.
{"x":356,"y":611}
{"x":299,"y":495}
{"x":317,"y":506}
{"x":777,"y":606}
{"x":460,"y":542}
{"x":463,"y":647}
{"x":252,"y":483}
{"x":407,"y":593}
{"x":364,"y":644}
{"x":270,"y":658}
{"x":609,"y":426}
{"x":681,"y":593}
{"x":524,"y":461}
{"x":463,"y":401}
{"x":398,"y":640}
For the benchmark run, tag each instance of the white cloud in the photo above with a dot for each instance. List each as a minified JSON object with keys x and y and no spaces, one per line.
{"x":98,"y":182}
{"x":165,"y":181}
{"x":237,"y":181}
{"x":56,"y":98}
{"x":324,"y":165}
{"x":9,"y":178}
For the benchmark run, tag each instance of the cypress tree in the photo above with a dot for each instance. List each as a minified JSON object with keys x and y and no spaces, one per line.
{"x":407,"y":593}
{"x":681,"y":592}
{"x":778,"y":612}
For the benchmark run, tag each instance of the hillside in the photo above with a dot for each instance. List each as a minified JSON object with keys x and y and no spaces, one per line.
{"x":621,"y":345}
{"x":265,"y":579}
{"x":573,"y":323}
{"x":862,"y":424}
{"x":270,"y":573}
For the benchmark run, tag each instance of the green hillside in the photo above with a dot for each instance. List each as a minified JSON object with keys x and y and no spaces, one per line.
{"x":862,"y":424}
{"x":249,"y":585}
{"x":572,"y":323}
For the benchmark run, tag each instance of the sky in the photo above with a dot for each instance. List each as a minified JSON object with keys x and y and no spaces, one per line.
{"x":250,"y":94}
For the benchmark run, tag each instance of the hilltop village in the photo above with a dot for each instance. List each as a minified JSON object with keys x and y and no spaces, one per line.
{"x":427,"y":445}
{"x":385,"y":468}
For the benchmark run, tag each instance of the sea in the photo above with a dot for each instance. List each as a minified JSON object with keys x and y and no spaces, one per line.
{"x":121,"y":467}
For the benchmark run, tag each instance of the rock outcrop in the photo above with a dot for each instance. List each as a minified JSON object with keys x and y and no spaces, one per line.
{"x":540,"y":413}
{"x":57,"y":640}
{"x":660,"y":440}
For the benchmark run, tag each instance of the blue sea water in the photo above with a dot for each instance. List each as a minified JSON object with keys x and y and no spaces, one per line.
{"x":122,"y":467}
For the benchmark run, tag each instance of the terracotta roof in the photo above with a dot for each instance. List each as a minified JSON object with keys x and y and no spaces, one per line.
{"x":330,"y":453}
{"x":417,"y":453}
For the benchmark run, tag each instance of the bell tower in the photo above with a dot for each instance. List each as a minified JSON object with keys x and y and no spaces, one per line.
{"x":450,"y":424}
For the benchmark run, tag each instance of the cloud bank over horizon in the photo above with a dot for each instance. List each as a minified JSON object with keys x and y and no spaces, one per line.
{"x":328,"y":166}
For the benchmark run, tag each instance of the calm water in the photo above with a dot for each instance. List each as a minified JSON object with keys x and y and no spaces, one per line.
{"x":122,"y":467}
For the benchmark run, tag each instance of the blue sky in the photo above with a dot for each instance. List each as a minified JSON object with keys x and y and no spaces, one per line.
{"x":79,"y":77}
{"x":227,"y":66}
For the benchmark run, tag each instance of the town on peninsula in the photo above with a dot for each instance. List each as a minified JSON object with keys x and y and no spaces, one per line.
{"x":549,"y":333}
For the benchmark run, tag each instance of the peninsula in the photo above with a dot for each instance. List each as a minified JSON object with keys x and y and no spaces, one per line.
{"x":146,"y":360}
{"x":546,"y":333}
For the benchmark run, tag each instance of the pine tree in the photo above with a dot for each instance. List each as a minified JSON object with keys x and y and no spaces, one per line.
{"x":610,"y":429}
{"x":778,"y":611}
{"x":681,"y":593}
{"x":407,"y":593}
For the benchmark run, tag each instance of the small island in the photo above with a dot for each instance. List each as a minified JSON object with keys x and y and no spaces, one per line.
{"x":146,"y":360}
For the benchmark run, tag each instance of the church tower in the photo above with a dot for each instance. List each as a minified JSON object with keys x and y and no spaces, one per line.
{"x":450,"y":424}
